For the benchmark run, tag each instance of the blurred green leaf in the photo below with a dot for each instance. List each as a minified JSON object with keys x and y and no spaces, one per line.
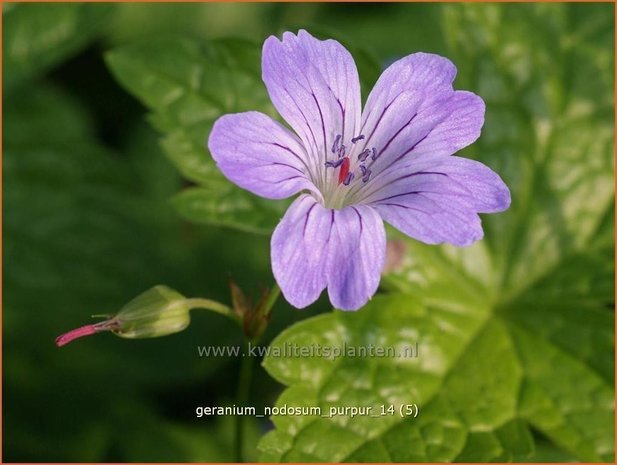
{"x":81,"y":237}
{"x":148,"y":437}
{"x":50,"y":116}
{"x":68,"y":217}
{"x":515,"y":333}
{"x":227,"y":206}
{"x":187,"y":85}
{"x":37,"y":37}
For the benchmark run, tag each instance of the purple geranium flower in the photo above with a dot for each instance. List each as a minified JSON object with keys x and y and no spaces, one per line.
{"x":355,"y":168}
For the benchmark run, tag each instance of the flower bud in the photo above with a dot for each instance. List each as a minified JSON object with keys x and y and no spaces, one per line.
{"x":157,"y":312}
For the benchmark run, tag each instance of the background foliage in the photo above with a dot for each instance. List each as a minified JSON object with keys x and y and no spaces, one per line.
{"x":109,"y":191}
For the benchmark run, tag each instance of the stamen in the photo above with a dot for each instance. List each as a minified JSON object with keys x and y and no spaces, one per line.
{"x":335,"y":163}
{"x":335,"y":146}
{"x":345,"y":176}
{"x":341,"y":151}
{"x":366,"y":173}
{"x":364,"y":155}
{"x":348,"y":179}
{"x":356,"y":139}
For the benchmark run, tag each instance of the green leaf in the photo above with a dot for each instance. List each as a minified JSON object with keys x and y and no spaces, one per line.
{"x":509,"y":443}
{"x":51,"y":115}
{"x":226,"y":206}
{"x":37,"y":37}
{"x":152,"y":437}
{"x":69,"y":226}
{"x":515,"y":333}
{"x":437,"y":380}
{"x":69,"y":202}
{"x":187,"y":86}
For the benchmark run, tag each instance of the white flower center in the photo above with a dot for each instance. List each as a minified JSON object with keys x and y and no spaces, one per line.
{"x":347,"y":167}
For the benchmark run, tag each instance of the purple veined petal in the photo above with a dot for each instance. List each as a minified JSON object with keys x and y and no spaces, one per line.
{"x":260,"y":155}
{"x":427,"y":72}
{"x":385,"y":119}
{"x":299,"y":251}
{"x":426,"y":75}
{"x":437,"y":199}
{"x":460,"y":128}
{"x":447,"y":175}
{"x":451,"y":223}
{"x":357,"y":253}
{"x":490,"y":194}
{"x":413,"y":110}
{"x":314,"y":247}
{"x":315,"y":87}
{"x":441,"y":128}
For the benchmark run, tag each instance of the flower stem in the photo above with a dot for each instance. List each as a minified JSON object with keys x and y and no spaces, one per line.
{"x":244,"y":385}
{"x":244,"y":379}
{"x":271,"y":300}
{"x":217,"y":307}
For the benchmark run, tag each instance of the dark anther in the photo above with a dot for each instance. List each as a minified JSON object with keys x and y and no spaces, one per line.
{"x":348,"y":179}
{"x":341,"y":151}
{"x":335,"y":147}
{"x":356,"y":139}
{"x":364,"y":155}
{"x":335,"y":163}
{"x":366,"y":173}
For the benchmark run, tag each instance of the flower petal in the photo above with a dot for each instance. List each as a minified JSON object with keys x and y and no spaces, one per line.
{"x":299,"y":251}
{"x":358,"y":249}
{"x":435,"y":224}
{"x":314,"y":85}
{"x":413,"y":110}
{"x":437,"y":199}
{"x":405,"y":88}
{"x":260,"y":155}
{"x":421,"y":72}
{"x":459,"y":119}
{"x":441,"y":128}
{"x":314,"y":247}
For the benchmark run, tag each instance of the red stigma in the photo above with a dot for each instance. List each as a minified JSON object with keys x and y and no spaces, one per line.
{"x":76,"y":333}
{"x":107,"y":325}
{"x":344,"y":170}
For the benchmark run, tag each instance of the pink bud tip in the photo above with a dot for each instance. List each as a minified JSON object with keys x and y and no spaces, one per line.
{"x":77,"y":333}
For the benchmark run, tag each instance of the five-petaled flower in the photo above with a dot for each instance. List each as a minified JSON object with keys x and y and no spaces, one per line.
{"x":356,"y":168}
